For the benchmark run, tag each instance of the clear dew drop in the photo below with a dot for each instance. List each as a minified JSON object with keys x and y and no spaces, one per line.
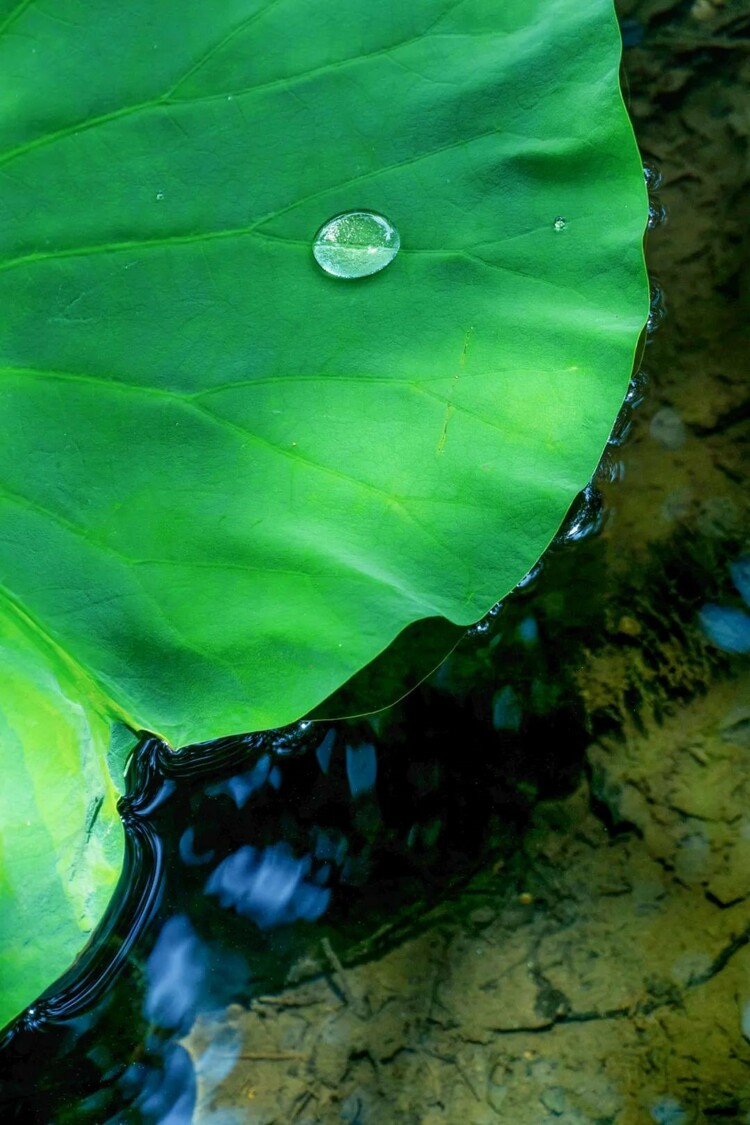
{"x":560,"y":223}
{"x":356,"y":244}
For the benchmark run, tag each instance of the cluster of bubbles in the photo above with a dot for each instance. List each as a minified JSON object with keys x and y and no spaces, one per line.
{"x":657,"y":215}
{"x":484,"y":625}
{"x":657,"y":212}
{"x":657,"y":309}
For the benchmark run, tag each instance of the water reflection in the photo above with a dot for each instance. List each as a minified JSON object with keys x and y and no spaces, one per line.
{"x":361,"y":768}
{"x":176,"y":974}
{"x":728,"y":626}
{"x":270,"y":886}
{"x":164,"y":1090}
{"x":249,"y":863}
{"x":242,"y":786}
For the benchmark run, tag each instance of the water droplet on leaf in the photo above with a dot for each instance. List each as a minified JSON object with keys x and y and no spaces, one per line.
{"x":356,"y":244}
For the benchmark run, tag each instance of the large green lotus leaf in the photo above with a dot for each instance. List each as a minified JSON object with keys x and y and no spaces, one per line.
{"x":60,"y":837}
{"x":228,"y":480}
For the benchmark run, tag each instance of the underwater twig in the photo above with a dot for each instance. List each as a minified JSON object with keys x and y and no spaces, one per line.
{"x":339,"y":977}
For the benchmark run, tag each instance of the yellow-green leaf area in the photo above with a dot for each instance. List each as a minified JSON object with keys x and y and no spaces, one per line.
{"x":60,"y":837}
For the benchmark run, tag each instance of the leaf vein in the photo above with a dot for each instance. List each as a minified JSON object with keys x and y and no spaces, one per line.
{"x":14,"y":15}
{"x":238,"y":232}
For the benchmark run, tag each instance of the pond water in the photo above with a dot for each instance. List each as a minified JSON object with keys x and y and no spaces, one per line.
{"x":522,"y":893}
